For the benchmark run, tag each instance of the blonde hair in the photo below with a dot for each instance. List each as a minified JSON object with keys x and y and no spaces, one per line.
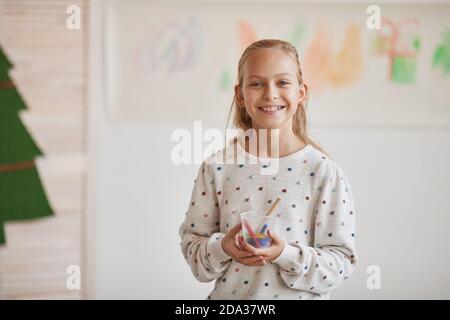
{"x":241,"y":119}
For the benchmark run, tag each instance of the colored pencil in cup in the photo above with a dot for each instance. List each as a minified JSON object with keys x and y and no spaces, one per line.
{"x":264,"y":228}
{"x":251,"y":233}
{"x":275,"y":204}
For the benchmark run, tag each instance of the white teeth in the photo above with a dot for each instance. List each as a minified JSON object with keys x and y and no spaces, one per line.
{"x":270,"y":108}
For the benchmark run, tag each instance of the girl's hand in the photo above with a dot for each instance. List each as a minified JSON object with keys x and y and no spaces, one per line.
{"x":230,"y":244}
{"x":270,"y":253}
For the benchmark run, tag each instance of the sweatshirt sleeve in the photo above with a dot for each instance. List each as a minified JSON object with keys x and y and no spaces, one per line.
{"x":200,"y":232}
{"x":332,"y":259}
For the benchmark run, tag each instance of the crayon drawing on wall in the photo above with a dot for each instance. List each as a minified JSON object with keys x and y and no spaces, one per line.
{"x":400,"y":43}
{"x":181,"y":65}
{"x":441,"y":66}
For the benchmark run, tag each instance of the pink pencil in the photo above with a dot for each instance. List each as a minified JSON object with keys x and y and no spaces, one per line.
{"x":251,"y":233}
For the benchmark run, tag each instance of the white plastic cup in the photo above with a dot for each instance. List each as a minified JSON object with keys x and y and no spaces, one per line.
{"x":255,"y":227}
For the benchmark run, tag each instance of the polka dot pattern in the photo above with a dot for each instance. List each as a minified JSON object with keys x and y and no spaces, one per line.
{"x":316,"y":213}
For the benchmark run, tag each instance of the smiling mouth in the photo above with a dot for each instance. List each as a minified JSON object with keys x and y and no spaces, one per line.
{"x":271,"y":109}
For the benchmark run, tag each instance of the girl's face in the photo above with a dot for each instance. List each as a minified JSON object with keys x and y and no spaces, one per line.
{"x":270,"y":89}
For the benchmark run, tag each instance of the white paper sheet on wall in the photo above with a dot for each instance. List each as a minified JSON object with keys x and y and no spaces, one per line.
{"x":178,"y":61}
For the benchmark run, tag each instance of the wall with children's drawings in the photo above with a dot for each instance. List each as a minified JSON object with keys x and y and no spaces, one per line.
{"x":397,"y":75}
{"x":379,"y":104}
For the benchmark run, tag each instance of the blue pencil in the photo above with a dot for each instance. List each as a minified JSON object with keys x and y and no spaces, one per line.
{"x":264,"y":228}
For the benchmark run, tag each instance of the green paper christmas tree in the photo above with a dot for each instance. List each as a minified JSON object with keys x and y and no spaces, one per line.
{"x":22,"y":195}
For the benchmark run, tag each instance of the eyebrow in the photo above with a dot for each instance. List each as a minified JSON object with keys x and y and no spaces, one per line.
{"x":279,"y":74}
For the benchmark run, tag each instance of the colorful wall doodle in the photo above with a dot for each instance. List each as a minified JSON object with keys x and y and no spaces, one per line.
{"x":440,"y":93}
{"x":401,"y":69}
{"x":321,"y":66}
{"x":172,"y":48}
{"x":246,"y":36}
{"x":441,"y":56}
{"x":400,"y":42}
{"x":296,"y":33}
{"x":324,"y":68}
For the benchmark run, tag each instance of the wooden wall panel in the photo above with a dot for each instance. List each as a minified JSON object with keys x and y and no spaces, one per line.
{"x":49,"y":71}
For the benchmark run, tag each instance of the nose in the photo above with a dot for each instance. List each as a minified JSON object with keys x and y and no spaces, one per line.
{"x":271,"y":92}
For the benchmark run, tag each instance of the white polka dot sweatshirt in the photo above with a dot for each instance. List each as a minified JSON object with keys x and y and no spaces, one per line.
{"x":316,"y":218}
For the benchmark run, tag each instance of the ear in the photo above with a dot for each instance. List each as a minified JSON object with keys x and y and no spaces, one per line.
{"x":239,"y":97}
{"x":303,"y":92}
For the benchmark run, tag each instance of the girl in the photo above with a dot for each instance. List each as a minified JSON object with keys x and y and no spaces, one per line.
{"x":313,"y":248}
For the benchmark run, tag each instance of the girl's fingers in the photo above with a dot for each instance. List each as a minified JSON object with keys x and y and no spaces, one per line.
{"x":273,"y":236}
{"x":246,"y":246}
{"x":235,"y":230}
{"x":250,"y":248}
{"x":252,"y":260}
{"x":260,"y":263}
{"x":243,"y":254}
{"x":237,"y":242}
{"x":239,"y":253}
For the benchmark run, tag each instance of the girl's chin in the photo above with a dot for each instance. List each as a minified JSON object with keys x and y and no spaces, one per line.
{"x":269,"y":124}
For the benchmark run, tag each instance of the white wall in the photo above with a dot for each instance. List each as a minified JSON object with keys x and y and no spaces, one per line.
{"x":137,"y":199}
